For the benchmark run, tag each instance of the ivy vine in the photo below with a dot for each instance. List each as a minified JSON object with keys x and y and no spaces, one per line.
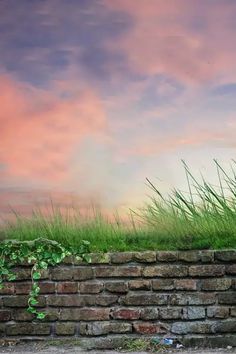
{"x":40,"y":254}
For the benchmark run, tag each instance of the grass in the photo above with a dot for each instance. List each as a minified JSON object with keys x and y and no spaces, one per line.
{"x":204,"y":217}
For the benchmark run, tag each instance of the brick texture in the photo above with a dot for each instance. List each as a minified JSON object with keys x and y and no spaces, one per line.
{"x":190,"y":294}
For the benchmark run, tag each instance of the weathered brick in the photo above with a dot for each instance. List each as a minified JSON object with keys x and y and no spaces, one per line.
{"x":233,"y":311}
{"x":67,"y":287}
{"x":25,"y":287}
{"x":231,"y":269}
{"x":121,"y":257}
{"x":22,"y":301}
{"x":218,"y":311}
{"x":100,"y":328}
{"x":22,"y":315}
{"x":8,"y":289}
{"x":194,"y":313}
{"x":168,"y":313}
{"x":193,"y":299}
{"x":149,"y":313}
{"x":83,"y":273}
{"x":145,"y":257}
{"x":69,"y":260}
{"x":106,"y":300}
{"x":100,"y":258}
{"x":142,"y":284}
{"x":167,"y":256}
{"x":47,"y":287}
{"x":216,"y":284}
{"x":85,"y":314}
{"x":72,"y":300}
{"x":227,"y":326}
{"x":189,"y":256}
{"x":2,"y":329}
{"x":228,"y":298}
{"x":22,"y":273}
{"x":95,"y":258}
{"x":166,"y":271}
{"x":207,"y":270}
{"x":191,"y":327}
{"x":91,"y":287}
{"x":180,"y":327}
{"x":226,"y":255}
{"x":5,"y":315}
{"x":201,"y":299}
{"x":125,"y":314}
{"x":201,"y":327}
{"x":145,"y":299}
{"x":163,"y":284}
{"x":149,"y":328}
{"x":116,"y":286}
{"x":65,"y":329}
{"x":61,"y":273}
{"x":26,"y":328}
{"x":207,"y":256}
{"x":185,"y":284}
{"x":122,"y":271}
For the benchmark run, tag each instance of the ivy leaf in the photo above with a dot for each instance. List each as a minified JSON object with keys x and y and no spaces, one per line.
{"x":31,"y":309}
{"x":35,"y":287}
{"x":33,"y":301}
{"x":41,"y":315}
{"x":36,"y":275}
{"x":11,"y":277}
{"x":56,"y":257}
{"x":87,"y":258}
{"x":43,"y":265}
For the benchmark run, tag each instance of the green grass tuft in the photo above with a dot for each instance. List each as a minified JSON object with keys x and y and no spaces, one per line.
{"x":202,"y":218}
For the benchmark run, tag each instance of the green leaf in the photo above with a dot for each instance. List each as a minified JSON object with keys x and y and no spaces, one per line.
{"x":56,"y":257}
{"x":41,"y":315}
{"x":31,"y":309}
{"x":43,"y":265}
{"x":33,"y":301}
{"x":87,"y":243}
{"x":36,"y":275}
{"x":87,"y":258}
{"x":11,"y":277}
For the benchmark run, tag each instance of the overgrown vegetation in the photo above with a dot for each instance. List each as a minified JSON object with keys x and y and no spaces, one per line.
{"x":40,"y":254}
{"x":203,"y":217}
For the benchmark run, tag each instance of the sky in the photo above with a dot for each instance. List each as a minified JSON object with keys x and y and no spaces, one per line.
{"x":97,"y":95}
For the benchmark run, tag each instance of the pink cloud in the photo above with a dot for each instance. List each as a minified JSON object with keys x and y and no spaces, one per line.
{"x":40,"y":128}
{"x":150,"y":147}
{"x":165,"y":40}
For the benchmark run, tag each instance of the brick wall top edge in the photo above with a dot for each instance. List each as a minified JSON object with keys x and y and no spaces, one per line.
{"x":191,"y":256}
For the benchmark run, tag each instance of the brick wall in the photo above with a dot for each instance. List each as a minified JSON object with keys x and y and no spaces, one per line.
{"x":190,"y":295}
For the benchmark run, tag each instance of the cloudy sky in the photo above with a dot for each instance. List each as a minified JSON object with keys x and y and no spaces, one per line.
{"x":96,"y":95}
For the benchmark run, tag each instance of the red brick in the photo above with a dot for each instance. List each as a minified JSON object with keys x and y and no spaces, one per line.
{"x":149,"y":328}
{"x":125,"y":314}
